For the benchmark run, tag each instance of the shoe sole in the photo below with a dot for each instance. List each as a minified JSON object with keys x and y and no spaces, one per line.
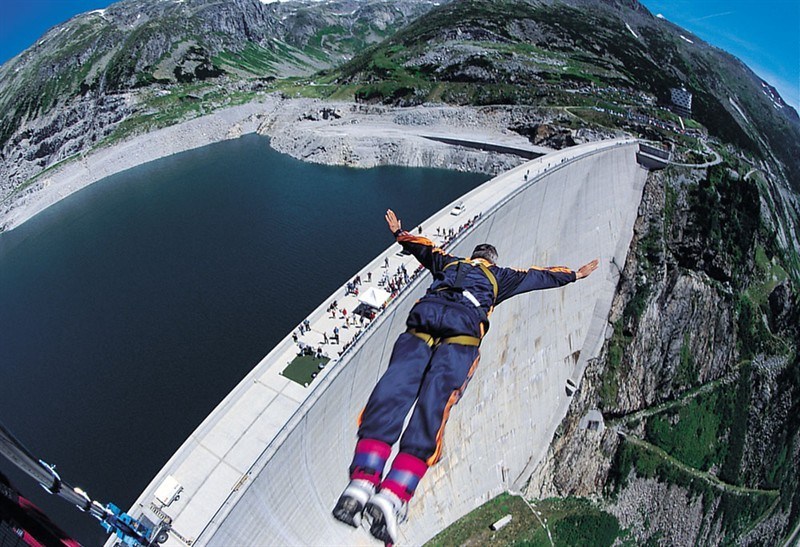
{"x":377,"y":524}
{"x":346,"y":517}
{"x":350,"y":505}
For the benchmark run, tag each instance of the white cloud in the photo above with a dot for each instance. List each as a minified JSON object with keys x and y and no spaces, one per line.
{"x":713,"y":15}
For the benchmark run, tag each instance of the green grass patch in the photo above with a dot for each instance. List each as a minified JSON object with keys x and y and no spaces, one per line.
{"x":771,"y":275}
{"x":263,"y":61}
{"x":670,"y":206}
{"x":253,"y":59}
{"x":594,"y":117}
{"x":343,"y":93}
{"x":316,"y":41}
{"x":738,"y":510}
{"x":572,"y":522}
{"x":691,"y":433}
{"x":754,"y":334}
{"x":473,"y":528}
{"x":304,"y":368}
{"x":616,"y":349}
{"x":687,"y":371}
{"x":293,"y":87}
{"x":580,"y":73}
{"x":708,"y":430}
{"x":738,"y":398}
{"x":728,"y":220}
{"x":577,"y":522}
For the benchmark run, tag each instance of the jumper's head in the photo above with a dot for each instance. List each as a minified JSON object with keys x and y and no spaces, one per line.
{"x":485,"y":251}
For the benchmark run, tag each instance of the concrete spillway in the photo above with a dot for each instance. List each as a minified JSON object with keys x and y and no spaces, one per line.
{"x":266,"y":467}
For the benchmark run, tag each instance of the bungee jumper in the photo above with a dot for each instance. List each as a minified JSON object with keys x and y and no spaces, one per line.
{"x":431,"y":364}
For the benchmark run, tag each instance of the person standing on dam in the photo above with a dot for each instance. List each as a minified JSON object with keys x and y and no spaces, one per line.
{"x":431,"y":364}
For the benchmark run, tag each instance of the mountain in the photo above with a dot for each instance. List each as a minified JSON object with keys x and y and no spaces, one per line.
{"x":542,"y":51}
{"x":147,"y":63}
{"x":699,"y":379}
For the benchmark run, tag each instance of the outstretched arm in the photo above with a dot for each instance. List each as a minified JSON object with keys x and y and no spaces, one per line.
{"x":513,"y":282}
{"x":423,"y":249}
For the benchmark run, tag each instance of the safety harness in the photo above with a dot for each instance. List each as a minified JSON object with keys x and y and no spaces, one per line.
{"x":462,"y":269}
{"x":461,"y":273}
{"x":432,"y":341}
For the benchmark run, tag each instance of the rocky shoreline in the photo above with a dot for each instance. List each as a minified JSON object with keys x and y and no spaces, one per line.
{"x":348,"y":134}
{"x":80,"y":171}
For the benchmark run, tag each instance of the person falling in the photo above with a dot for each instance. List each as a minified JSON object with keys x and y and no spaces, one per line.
{"x":431,"y":364}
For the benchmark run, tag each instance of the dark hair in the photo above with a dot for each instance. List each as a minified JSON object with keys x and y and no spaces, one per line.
{"x":484,"y":250}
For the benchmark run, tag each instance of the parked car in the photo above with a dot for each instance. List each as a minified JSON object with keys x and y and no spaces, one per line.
{"x":458,"y":209}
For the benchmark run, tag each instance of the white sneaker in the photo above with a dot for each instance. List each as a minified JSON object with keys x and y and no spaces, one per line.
{"x":384,"y":512}
{"x":352,"y":502}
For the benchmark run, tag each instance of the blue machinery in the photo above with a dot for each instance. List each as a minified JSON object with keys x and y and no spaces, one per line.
{"x":130,"y":531}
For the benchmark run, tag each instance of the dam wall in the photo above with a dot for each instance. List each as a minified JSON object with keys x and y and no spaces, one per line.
{"x":515,"y":401}
{"x":565,"y":208}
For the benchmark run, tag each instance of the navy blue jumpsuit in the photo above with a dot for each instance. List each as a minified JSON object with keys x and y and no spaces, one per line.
{"x":457,"y":303}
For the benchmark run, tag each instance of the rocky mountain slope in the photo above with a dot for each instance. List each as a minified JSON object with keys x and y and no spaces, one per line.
{"x":699,"y":382}
{"x":152,"y":62}
{"x":574,"y":52}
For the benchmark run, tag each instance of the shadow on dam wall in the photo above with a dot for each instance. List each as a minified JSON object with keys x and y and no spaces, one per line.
{"x":579,"y":210}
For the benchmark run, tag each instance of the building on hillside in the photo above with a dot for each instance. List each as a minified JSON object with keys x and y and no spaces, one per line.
{"x":681,"y":101}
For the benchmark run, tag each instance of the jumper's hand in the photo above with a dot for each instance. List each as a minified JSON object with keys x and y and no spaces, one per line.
{"x":392,"y":221}
{"x":586,"y":269}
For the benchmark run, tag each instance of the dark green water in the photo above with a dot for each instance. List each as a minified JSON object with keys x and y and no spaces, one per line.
{"x":130,"y":309}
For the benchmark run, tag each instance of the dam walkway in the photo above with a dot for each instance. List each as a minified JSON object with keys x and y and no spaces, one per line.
{"x":266,"y":466}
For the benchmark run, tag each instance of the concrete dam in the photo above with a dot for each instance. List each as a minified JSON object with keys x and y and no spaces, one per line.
{"x":267,"y":465}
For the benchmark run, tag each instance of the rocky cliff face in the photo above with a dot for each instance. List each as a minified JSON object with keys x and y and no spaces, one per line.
{"x":363,"y":135}
{"x":699,"y":390}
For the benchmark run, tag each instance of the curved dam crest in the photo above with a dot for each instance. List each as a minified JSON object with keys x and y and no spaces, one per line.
{"x":266,"y":467}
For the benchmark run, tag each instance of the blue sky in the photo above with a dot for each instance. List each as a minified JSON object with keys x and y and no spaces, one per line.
{"x":22,"y":22}
{"x":764,"y":34}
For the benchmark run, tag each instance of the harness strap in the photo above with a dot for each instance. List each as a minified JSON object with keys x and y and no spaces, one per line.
{"x":475,"y":264}
{"x":424,"y":336}
{"x":464,"y":339}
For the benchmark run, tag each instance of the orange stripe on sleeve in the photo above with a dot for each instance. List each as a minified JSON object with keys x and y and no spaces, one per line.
{"x":558,"y":269}
{"x":409,"y":238}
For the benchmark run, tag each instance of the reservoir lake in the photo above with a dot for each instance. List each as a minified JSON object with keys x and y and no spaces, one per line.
{"x":130,"y":309}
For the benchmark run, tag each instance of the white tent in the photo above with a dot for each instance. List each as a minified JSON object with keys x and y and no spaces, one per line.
{"x":374,"y":297}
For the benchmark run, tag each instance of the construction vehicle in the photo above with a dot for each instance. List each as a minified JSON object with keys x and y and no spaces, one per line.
{"x":129,"y":531}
